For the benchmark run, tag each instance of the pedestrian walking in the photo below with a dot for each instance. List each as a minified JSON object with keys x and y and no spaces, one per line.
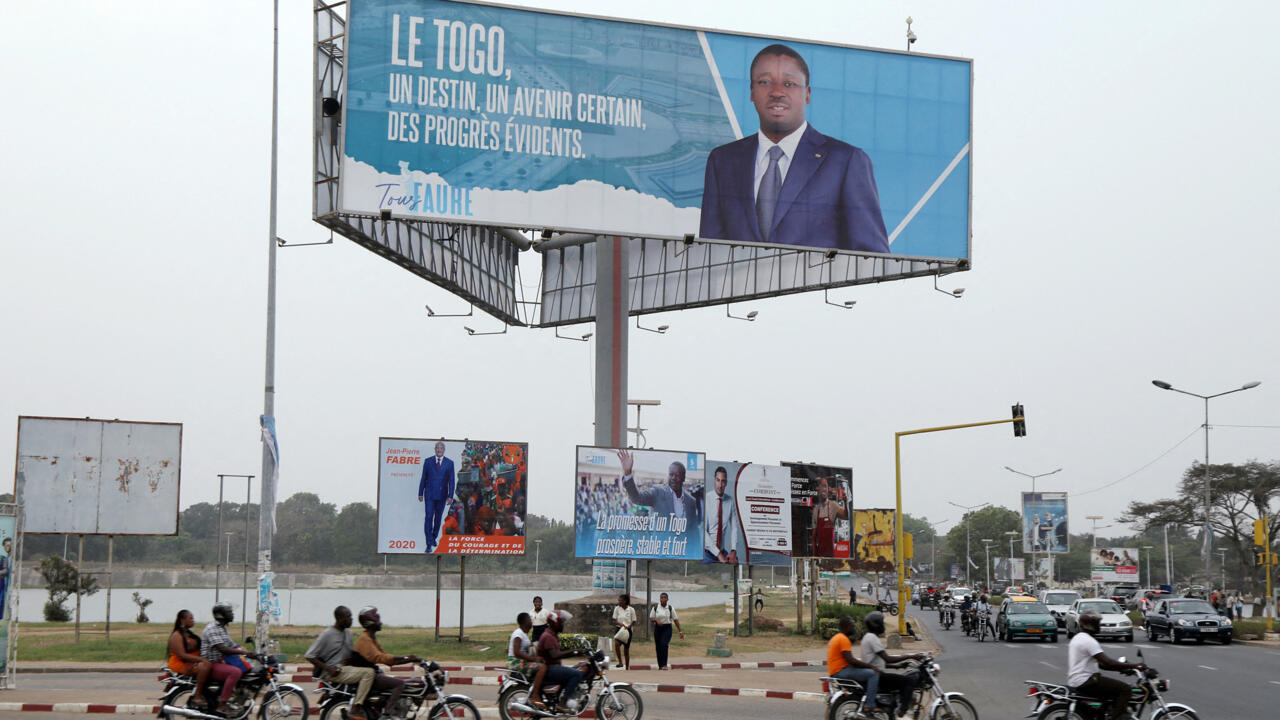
{"x":663,"y":616}
{"x":624,"y":616}
{"x":1239,"y":608}
{"x":539,"y":618}
{"x":853,"y":595}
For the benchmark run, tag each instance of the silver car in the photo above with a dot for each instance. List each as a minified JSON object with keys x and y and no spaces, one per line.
{"x":1115,"y":623}
{"x":1059,"y":602}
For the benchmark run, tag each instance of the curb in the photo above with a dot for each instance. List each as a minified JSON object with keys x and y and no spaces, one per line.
{"x":123,"y":709}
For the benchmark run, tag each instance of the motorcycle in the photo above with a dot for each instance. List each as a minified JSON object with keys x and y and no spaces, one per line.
{"x":845,"y":697}
{"x":967,"y":623}
{"x":1145,"y":695}
{"x":887,"y":607}
{"x":280,"y":700}
{"x":1042,"y":695}
{"x":335,"y":698}
{"x":946,"y":615}
{"x":983,"y":620}
{"x":614,"y":701}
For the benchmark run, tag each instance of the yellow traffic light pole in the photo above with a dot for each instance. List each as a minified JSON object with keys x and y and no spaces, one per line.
{"x":897,"y":469}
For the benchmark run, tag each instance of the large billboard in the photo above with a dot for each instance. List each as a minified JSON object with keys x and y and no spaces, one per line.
{"x":1044,"y":522}
{"x":452,"y":497}
{"x":1113,"y":564}
{"x":747,"y":510}
{"x":639,"y":504}
{"x":873,"y":541}
{"x":469,"y":113}
{"x":820,"y":510}
{"x":81,"y":476}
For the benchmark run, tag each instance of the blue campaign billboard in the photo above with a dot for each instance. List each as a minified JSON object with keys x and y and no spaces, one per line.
{"x":472,"y":113}
{"x":1044,"y":522}
{"x":640,"y":504}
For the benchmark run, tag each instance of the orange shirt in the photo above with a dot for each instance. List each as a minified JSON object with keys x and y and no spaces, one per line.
{"x":835,"y":653}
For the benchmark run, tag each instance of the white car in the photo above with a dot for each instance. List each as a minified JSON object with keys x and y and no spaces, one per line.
{"x":1059,"y":602}
{"x":1115,"y":623}
{"x":958,"y":593}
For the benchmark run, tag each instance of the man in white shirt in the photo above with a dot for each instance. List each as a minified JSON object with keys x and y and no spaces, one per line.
{"x":721,"y":537}
{"x":1085,"y":657}
{"x":873,"y":654}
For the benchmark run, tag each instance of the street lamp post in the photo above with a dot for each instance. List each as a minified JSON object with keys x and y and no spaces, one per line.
{"x":968,"y":562}
{"x":933,"y":556}
{"x":1206,"y":556}
{"x":1148,"y":549}
{"x":1094,"y":531}
{"x":1222,"y":554}
{"x":1024,"y":520}
{"x":986,"y":550}
{"x":537,"y":555}
{"x":1012,"y":534}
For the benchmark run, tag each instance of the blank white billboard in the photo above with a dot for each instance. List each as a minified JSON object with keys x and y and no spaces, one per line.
{"x":98,"y":477}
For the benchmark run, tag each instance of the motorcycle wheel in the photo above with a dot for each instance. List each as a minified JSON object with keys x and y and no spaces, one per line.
{"x":846,"y":708}
{"x":1060,"y":711}
{"x":516,"y":694}
{"x":1178,"y":713}
{"x":333,"y":710}
{"x":961,"y":709}
{"x":282,"y":704}
{"x":457,"y":709}
{"x":625,"y":705}
{"x":179,"y":699}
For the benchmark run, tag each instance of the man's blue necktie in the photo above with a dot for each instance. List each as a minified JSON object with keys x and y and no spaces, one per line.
{"x":767,"y":198}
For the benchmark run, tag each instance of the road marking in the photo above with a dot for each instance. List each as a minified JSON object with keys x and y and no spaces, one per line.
{"x":1206,"y":667}
{"x":1049,"y":664}
{"x":1275,"y":682}
{"x":1153,"y":647}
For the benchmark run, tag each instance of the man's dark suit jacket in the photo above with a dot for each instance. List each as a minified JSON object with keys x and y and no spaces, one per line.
{"x":828,"y":200}
{"x":437,"y":482}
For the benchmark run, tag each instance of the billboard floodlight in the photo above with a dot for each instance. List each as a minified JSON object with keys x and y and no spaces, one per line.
{"x":584,"y":338}
{"x":846,"y":305}
{"x":953,"y":293}
{"x":432,"y":313}
{"x":473,"y":333}
{"x":749,"y":317}
{"x":661,"y":329}
{"x":330,"y":106}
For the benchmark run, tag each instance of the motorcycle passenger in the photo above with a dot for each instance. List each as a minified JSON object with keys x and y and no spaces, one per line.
{"x":520,"y":652}
{"x":873,"y":654}
{"x":329,"y":656}
{"x":369,"y":653}
{"x":1085,"y":657}
{"x":557,"y":674}
{"x":842,"y":664}
{"x":184,"y":655}
{"x":215,"y":645}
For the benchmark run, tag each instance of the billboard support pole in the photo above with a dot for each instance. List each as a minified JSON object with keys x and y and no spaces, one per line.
{"x":735,"y":601}
{"x":462,"y":597}
{"x":797,"y":582}
{"x":611,"y":341}
{"x":111,"y":552}
{"x":79,"y":584}
{"x":751,"y":605}
{"x":648,"y":592}
{"x":897,"y":469}
{"x":813,"y":596}
{"x":438,"y":558}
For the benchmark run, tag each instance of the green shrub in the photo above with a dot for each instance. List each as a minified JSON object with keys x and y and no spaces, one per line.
{"x":836,"y":610}
{"x":1249,"y":626}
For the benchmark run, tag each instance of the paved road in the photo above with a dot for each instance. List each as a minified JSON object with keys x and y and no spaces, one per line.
{"x":1233,"y":681}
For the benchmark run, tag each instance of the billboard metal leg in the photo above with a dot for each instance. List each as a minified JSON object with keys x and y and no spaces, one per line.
{"x":797,"y":584}
{"x":751,"y":606}
{"x":111,"y":551}
{"x":648,"y":593}
{"x":735,"y":601}
{"x":462,"y":597}
{"x":438,"y":559}
{"x":612,"y":274}
{"x":79,"y":583}
{"x":813,"y":596}
{"x":244,"y":576}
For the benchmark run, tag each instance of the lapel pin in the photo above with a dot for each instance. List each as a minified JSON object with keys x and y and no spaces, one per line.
{"x":817,"y":155}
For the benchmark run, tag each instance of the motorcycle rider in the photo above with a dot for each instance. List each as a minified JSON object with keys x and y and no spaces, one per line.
{"x":873,"y":654}
{"x":842,"y":664}
{"x":1085,"y":657}
{"x":557,"y":674}
{"x":983,"y":613}
{"x":369,"y":653}
{"x":215,"y":645}
{"x":946,"y":607}
{"x":966,"y":613}
{"x":329,"y":656}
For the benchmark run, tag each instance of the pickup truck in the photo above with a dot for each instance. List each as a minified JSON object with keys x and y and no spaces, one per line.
{"x":1184,"y":617}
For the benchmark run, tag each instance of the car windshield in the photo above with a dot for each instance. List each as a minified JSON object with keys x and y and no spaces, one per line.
{"x":1027,"y":608}
{"x":1193,"y":607}
{"x":1101,"y":607}
{"x":1060,"y":598}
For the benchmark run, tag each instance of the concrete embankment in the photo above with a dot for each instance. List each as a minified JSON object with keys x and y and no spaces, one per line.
{"x":134,"y":577}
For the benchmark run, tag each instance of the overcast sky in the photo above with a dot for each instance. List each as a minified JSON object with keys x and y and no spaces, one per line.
{"x":1125,"y":228}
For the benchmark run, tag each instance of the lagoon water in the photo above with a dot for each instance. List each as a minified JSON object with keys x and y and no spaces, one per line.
{"x":415,"y":607}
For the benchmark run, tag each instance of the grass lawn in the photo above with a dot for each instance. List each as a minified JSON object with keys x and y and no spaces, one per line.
{"x":133,"y":642}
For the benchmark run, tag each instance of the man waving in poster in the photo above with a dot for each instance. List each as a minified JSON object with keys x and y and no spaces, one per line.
{"x":436,"y":490}
{"x":722,"y":538}
{"x":669,"y":499}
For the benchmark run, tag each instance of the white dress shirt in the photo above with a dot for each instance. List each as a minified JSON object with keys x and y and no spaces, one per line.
{"x":788,"y":145}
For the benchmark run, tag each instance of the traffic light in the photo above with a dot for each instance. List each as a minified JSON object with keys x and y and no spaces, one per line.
{"x":1260,"y":531}
{"x":1019,"y":422}
{"x":908,"y":546}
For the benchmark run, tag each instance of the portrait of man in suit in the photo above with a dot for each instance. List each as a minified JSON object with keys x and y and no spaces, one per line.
{"x":669,"y":499}
{"x":722,"y":538}
{"x":436,"y":491}
{"x":788,"y":183}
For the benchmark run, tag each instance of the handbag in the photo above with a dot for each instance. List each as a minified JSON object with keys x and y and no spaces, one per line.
{"x":623,"y":635}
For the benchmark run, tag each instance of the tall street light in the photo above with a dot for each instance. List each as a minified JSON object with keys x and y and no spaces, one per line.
{"x":537,"y":555}
{"x":933,"y":555}
{"x":1012,"y":534}
{"x":1094,"y":532}
{"x":1024,"y":520}
{"x":1205,"y":555}
{"x":986,"y":550}
{"x":968,"y":562}
{"x":1148,"y":549}
{"x":1223,"y":554}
